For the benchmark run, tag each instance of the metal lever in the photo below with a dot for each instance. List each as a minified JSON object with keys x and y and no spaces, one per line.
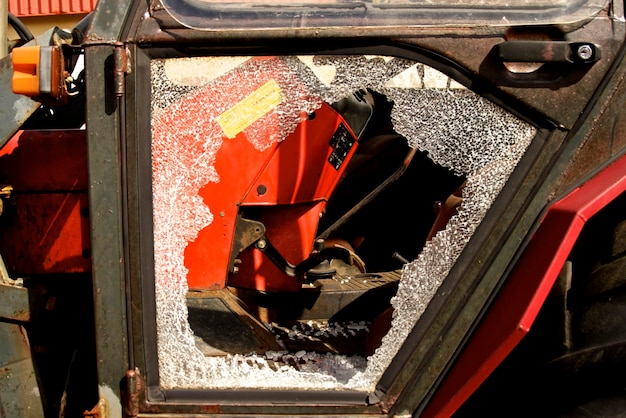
{"x":549,"y":51}
{"x":313,"y":260}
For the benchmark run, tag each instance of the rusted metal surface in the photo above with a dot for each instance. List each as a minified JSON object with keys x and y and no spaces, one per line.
{"x":607,"y":140}
{"x":120,"y":68}
{"x":544,"y":91}
{"x":558,"y":92}
{"x":131,"y":394}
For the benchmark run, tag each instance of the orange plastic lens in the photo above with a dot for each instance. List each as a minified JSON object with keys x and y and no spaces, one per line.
{"x":26,"y":70}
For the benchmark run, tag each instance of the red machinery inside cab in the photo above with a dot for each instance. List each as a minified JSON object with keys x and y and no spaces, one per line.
{"x":268,"y":202}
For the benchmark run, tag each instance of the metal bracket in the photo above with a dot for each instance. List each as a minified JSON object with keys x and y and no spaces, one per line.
{"x":247,"y":232}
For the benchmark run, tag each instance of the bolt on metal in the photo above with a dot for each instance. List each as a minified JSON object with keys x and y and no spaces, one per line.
{"x":585,"y":52}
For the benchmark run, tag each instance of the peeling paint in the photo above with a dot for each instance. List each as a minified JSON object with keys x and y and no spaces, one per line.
{"x":110,"y":402}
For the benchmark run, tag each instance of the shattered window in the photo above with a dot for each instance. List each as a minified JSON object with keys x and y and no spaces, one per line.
{"x":307,"y":208}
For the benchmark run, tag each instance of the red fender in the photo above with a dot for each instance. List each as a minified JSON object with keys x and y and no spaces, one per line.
{"x":521,"y":298}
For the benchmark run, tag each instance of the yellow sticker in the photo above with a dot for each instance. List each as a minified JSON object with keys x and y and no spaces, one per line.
{"x":252,"y":108}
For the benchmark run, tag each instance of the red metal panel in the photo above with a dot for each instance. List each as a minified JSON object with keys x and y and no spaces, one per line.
{"x":46,"y":233}
{"x":519,"y":302}
{"x":45,"y":161}
{"x":292,"y":178}
{"x":23,"y":8}
{"x":300,"y":172}
{"x":45,"y":225}
{"x":237,"y":163}
{"x":296,"y":180}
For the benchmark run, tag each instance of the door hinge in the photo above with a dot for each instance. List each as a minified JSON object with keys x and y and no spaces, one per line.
{"x":121,"y":67}
{"x":130,"y":394}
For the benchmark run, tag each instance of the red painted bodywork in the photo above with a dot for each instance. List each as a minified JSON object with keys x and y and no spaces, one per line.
{"x":286,"y":182}
{"x":519,"y":302}
{"x":45,"y":224}
{"x":299,"y":180}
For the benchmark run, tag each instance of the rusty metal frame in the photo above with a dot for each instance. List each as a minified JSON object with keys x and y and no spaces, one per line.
{"x":122,"y":243}
{"x":154,"y":399}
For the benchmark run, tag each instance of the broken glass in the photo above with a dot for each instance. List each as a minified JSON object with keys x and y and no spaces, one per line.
{"x":199,"y":104}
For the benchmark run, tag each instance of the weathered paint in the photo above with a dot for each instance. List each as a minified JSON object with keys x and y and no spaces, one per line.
{"x":19,"y":391}
{"x":18,"y":303}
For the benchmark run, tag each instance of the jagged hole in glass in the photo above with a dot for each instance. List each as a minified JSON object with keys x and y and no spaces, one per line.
{"x":459,"y":129}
